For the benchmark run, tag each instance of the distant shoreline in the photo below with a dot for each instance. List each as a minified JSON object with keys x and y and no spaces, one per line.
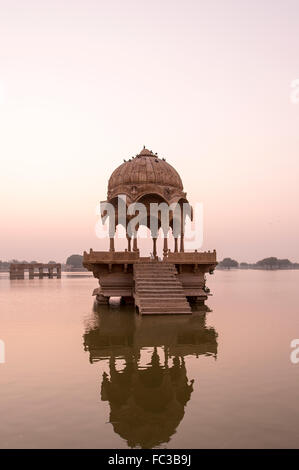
{"x":257,"y":268}
{"x":74,"y":263}
{"x":220,"y":268}
{"x":63,"y":270}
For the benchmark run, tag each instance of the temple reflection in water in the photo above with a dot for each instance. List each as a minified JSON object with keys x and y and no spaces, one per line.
{"x":147,"y":386}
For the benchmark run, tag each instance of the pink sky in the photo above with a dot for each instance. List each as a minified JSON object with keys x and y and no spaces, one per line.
{"x":206,"y":84}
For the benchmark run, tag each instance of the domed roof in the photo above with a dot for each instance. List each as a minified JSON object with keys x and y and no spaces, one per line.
{"x":145,"y":168}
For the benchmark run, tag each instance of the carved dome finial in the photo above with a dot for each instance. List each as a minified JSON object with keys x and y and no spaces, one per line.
{"x":145,"y":153}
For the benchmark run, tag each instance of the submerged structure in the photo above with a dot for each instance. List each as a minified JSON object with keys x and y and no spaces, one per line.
{"x":40,"y":270}
{"x":155,"y":285}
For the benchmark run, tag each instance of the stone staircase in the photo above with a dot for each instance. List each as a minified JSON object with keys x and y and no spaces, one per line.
{"x":158,"y":290}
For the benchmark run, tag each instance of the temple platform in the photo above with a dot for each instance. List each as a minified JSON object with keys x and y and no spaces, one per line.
{"x":165,"y":286}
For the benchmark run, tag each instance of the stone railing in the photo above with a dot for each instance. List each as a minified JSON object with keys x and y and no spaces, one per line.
{"x":110,"y":257}
{"x":129,"y":257}
{"x":191,"y":257}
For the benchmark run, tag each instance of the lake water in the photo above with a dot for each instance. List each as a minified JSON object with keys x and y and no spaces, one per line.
{"x":79,"y":378}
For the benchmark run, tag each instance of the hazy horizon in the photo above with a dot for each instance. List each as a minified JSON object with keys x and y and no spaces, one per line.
{"x":207,"y":85}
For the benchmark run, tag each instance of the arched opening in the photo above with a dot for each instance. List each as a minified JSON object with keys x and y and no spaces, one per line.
{"x":178,"y":226}
{"x":148,"y":226}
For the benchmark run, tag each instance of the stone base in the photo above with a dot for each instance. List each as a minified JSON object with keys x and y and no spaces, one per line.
{"x":200,"y":308}
{"x":196,"y":300}
{"x":127,"y":300}
{"x":156,"y":287}
{"x":100,"y":298}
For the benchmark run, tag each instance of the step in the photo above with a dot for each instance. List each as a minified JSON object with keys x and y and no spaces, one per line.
{"x":164,"y":305}
{"x":155,"y":300}
{"x":164,"y":294}
{"x":169,"y":298}
{"x":166,"y":313}
{"x":162,"y":310}
{"x":170,"y":306}
{"x":161,"y":295}
{"x":160,"y":270}
{"x":153,"y":265}
{"x":177,"y":296}
{"x":153,"y":273}
{"x":166,"y":270}
{"x":153,"y":268}
{"x":156,"y":308}
{"x":153,"y":277}
{"x":159,"y":291}
{"x":149,"y":282}
{"x":158,"y":287}
{"x":158,"y":284}
{"x":154,"y":292}
{"x":157,"y":279}
{"x":163,"y":298}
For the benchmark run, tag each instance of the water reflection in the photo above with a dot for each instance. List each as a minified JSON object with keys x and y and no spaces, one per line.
{"x":147,"y":386}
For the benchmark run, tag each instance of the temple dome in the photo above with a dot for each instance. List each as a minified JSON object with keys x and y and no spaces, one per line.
{"x":145,"y":168}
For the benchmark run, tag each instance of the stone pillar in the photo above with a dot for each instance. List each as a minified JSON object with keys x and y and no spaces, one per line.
{"x":20,"y":273}
{"x":41,"y":273}
{"x":31,"y":272}
{"x":135,"y":247}
{"x":165,"y":247}
{"x":182,"y":242}
{"x":58,"y":272}
{"x":182,"y":230}
{"x":12,"y":272}
{"x":50,"y":273}
{"x":176,"y":245}
{"x":155,"y":247}
{"x":111,"y":244}
{"x":129,"y":242}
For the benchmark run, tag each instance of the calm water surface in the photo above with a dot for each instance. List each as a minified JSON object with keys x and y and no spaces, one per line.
{"x":75,"y":377}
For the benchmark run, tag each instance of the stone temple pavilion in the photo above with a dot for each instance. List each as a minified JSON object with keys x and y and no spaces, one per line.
{"x":156,"y":286}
